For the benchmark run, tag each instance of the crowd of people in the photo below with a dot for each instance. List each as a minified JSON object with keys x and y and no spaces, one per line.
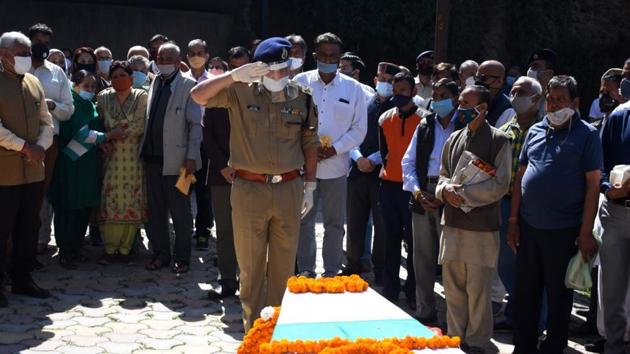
{"x":88,"y":142}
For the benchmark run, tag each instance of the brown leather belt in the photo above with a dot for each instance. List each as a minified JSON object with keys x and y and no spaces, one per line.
{"x":623,"y":202}
{"x":270,"y":179}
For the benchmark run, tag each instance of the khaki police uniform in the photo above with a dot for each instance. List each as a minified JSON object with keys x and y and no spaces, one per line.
{"x":266,"y":138}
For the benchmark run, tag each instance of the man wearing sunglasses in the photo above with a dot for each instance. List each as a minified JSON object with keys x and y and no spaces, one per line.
{"x":491,"y":74}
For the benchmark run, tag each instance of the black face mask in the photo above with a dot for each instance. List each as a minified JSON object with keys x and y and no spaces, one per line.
{"x":87,"y":67}
{"x":606,"y":103}
{"x":479,"y":82}
{"x":39,"y":51}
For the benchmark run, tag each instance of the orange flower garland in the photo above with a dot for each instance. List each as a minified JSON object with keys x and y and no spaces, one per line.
{"x":258,"y":341}
{"x":334,"y":285}
{"x":260,"y":333}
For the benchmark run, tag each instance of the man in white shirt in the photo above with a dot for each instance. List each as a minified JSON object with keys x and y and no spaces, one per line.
{"x":59,"y":102}
{"x":342,"y":111}
{"x":424,"y":66}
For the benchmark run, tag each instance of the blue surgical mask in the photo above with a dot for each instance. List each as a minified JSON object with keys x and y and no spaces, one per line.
{"x":384,"y":89}
{"x":138,"y":78}
{"x":442,"y":107}
{"x":624,"y":88}
{"x":467,"y":115}
{"x":326,"y":68}
{"x":88,"y":96}
{"x":400,"y":100}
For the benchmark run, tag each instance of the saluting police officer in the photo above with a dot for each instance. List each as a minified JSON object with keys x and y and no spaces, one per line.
{"x":273,"y":138}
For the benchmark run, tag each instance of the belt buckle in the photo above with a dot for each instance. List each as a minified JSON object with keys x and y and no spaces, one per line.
{"x":273,"y":179}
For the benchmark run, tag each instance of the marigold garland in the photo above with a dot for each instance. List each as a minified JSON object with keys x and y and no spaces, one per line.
{"x":334,"y":285}
{"x":258,"y":341}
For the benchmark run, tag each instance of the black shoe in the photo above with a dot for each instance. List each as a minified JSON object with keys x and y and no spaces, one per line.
{"x":67,"y":263}
{"x":222,"y":293}
{"x":596,"y":345}
{"x":347,"y":271}
{"x":202,"y":242}
{"x":29,"y":288}
{"x":3,"y":299}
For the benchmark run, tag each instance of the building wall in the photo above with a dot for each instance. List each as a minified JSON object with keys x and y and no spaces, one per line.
{"x":118,"y":27}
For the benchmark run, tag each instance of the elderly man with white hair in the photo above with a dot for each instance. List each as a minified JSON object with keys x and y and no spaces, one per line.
{"x":26,"y":131}
{"x":526,"y":97}
{"x":141,"y":76}
{"x":138,"y":50}
{"x":467,"y":71}
{"x":170,"y":144}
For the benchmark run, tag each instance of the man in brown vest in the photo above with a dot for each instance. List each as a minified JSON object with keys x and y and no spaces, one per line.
{"x":469,"y":246}
{"x":26,"y":131}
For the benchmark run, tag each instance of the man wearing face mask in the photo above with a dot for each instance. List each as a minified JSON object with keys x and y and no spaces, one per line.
{"x":421,"y":168}
{"x":297,"y":54}
{"x":525,"y":97}
{"x":342,"y":116}
{"x":469,"y":245}
{"x":424,"y":66}
{"x":26,"y":131}
{"x":554,"y":203}
{"x":59,"y":102}
{"x":397,"y":126}
{"x":273,"y":134}
{"x":169,"y":145}
{"x":198,"y":56}
{"x":609,"y":97}
{"x":352,"y":65}
{"x":104,"y":60}
{"x":541,"y":66}
{"x":491,"y":74}
{"x":363,"y":181}
{"x":467,"y":71}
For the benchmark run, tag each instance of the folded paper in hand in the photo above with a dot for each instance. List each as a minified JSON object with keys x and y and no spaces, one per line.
{"x":471,"y":170}
{"x":184,"y":182}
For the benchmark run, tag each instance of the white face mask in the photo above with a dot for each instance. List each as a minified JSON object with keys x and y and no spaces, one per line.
{"x":104,"y":65}
{"x":560,"y":117}
{"x":296,"y":63}
{"x":470,"y":81}
{"x":166,"y":69}
{"x":275,"y":85}
{"x":22,"y":65}
{"x":532,"y":73}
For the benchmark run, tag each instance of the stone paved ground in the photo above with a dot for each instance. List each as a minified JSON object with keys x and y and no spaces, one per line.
{"x":126,"y":309}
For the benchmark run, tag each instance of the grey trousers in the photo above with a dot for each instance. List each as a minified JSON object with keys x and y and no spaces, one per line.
{"x":163,"y":198}
{"x":615,"y":264}
{"x":220,"y":197}
{"x":426,"y":238}
{"x":332,"y":194}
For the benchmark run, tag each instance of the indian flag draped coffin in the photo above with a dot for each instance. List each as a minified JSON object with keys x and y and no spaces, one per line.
{"x":310,"y":316}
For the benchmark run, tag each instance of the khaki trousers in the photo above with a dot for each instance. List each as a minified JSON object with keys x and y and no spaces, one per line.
{"x":467,"y":288}
{"x":266,"y":220}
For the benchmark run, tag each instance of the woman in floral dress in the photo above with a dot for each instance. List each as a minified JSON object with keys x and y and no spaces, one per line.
{"x":123,"y":201}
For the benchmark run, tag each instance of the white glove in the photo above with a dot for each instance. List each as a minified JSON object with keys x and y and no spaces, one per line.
{"x":251,"y":72}
{"x":308,"y":200}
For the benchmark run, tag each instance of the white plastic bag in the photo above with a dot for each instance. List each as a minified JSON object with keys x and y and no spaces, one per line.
{"x":578,"y":273}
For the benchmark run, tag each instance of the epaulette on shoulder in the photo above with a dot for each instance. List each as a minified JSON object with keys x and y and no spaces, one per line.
{"x":303,"y":88}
